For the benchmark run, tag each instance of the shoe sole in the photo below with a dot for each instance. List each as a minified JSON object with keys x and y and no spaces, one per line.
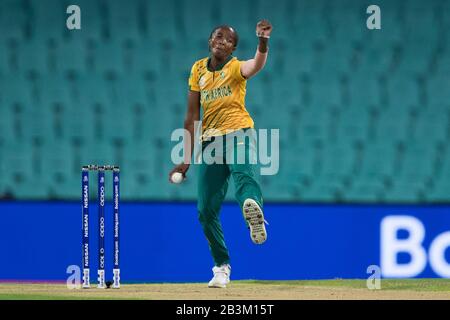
{"x":217,"y":286}
{"x":255,"y":218}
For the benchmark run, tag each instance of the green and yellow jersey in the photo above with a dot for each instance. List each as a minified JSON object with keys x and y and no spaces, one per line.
{"x":222,"y":97}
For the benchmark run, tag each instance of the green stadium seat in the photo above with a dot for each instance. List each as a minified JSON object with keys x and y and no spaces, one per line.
{"x":7,"y":128}
{"x":314,"y":122}
{"x":378,"y":162}
{"x":391,"y":31}
{"x":72,"y":55}
{"x":443,"y":67}
{"x":338,"y":162}
{"x":432,"y":126}
{"x":124,"y":20}
{"x":284,"y":91}
{"x":375,"y":59}
{"x":440,"y":191}
{"x":162,"y":16}
{"x":82,"y":123}
{"x":437,"y":87}
{"x":13,"y":18}
{"x":309,"y":27}
{"x":239,"y":19}
{"x":91,"y":88}
{"x":16,"y":88}
{"x":363,"y":115}
{"x":28,"y":189}
{"x":54,"y":88}
{"x":320,"y":193}
{"x":418,"y":161}
{"x":285,"y":191}
{"x":37,"y":125}
{"x":402,"y":193}
{"x":117,"y":124}
{"x":393,"y":125}
{"x":109,"y":57}
{"x":440,"y":195}
{"x":139,"y":169}
{"x":343,"y":18}
{"x":305,"y":61}
{"x":336,"y":60}
{"x":198,"y":29}
{"x":354,"y":124}
{"x":58,"y":171}
{"x":416,"y":58}
{"x":255,"y":96}
{"x":17,"y":167}
{"x":92,"y":152}
{"x":170,"y":96}
{"x":50,"y":19}
{"x":128,"y":90}
{"x":325,"y":90}
{"x":363,"y":191}
{"x":92,"y":19}
{"x":145,"y":57}
{"x":364,"y":91}
{"x":33,"y":56}
{"x":4,"y":57}
{"x":403,"y":92}
{"x":300,"y":165}
{"x":443,"y":168}
{"x":3,"y":191}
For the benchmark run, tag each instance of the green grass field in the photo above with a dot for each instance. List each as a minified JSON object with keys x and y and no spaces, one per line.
{"x":244,"y":290}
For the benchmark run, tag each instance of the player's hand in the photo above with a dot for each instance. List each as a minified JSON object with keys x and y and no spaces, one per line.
{"x":263,"y":29}
{"x":182,"y":168}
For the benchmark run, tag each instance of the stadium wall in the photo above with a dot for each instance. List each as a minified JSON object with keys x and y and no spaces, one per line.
{"x":163,"y":242}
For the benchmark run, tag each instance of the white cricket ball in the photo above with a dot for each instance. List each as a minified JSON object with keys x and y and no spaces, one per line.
{"x":177,"y":177}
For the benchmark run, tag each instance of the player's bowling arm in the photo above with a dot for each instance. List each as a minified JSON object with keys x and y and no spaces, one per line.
{"x":192,"y":115}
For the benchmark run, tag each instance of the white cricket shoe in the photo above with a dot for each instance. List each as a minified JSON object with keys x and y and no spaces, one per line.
{"x":221,"y":276}
{"x":255,"y":218}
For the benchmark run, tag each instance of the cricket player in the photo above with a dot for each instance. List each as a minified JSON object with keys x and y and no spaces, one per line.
{"x":218,"y":84}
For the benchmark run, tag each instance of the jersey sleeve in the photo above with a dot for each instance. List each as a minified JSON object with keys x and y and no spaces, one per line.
{"x":193,"y":79}
{"x":237,"y":71}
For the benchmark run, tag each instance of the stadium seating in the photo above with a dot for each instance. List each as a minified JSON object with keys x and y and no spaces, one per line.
{"x":364,"y":116}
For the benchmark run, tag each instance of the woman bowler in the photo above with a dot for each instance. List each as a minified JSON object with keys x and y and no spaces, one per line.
{"x":218,"y":84}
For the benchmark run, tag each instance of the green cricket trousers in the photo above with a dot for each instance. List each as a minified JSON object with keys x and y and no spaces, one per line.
{"x":233,"y":155}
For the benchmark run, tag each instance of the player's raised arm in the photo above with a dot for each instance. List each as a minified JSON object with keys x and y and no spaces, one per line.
{"x":250,"y":67}
{"x":192,"y":115}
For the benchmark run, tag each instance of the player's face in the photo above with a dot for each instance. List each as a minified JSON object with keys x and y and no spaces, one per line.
{"x":222,"y":42}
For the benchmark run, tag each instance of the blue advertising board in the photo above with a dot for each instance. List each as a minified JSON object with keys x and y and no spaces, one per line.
{"x":164,"y":242}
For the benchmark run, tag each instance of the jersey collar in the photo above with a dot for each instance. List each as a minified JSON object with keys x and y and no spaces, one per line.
{"x":219,"y":67}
